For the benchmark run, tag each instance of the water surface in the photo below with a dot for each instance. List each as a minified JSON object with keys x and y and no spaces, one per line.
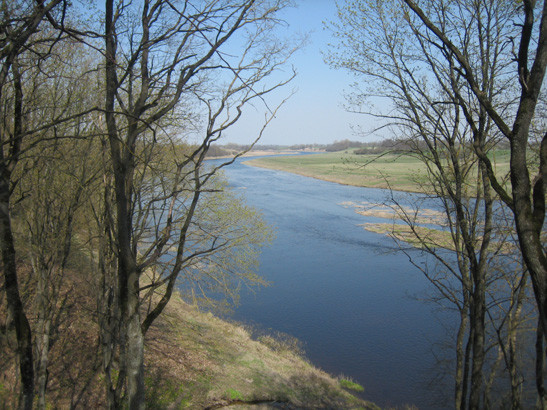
{"x":346,"y":293}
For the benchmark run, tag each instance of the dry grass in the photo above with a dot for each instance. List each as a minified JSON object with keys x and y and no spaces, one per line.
{"x":420,"y":216}
{"x":423,"y":237}
{"x":411,"y":232}
{"x":419,"y":237}
{"x":192,"y":360}
{"x":211,"y":363}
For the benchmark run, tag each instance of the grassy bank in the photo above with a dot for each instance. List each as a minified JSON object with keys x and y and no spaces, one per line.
{"x":201,"y":361}
{"x":193,"y":360}
{"x":400,"y":172}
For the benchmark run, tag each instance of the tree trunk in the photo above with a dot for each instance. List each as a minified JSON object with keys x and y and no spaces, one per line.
{"x":477,"y":323}
{"x":514,"y":320}
{"x":43,"y":360}
{"x":528,"y":227}
{"x":542,"y":399}
{"x":13,"y":298}
{"x":489,"y":382}
{"x":43,"y":333}
{"x":122,"y":156}
{"x":460,"y":357}
{"x":466,"y":369}
{"x":134,"y":348}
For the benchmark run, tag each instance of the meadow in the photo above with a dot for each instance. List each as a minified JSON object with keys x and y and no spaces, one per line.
{"x":402,"y":172}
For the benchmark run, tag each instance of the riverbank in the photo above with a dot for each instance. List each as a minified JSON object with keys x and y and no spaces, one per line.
{"x":205,"y":362}
{"x":400,"y":172}
{"x":193,"y":360}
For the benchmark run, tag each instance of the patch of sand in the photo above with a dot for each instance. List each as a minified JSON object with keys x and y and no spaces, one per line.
{"x":420,"y":216}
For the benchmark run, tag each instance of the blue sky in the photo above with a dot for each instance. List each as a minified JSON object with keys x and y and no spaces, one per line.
{"x":315,"y":114}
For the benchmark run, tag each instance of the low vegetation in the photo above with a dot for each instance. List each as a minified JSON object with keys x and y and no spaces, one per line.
{"x":221,"y":363}
{"x":399,"y":171}
{"x":351,"y":385}
{"x":193,"y":360}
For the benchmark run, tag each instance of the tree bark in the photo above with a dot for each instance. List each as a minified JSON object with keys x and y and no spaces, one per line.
{"x":477,"y":323}
{"x":460,"y":356}
{"x":540,"y":387}
{"x":128,"y":276}
{"x":42,"y":334}
{"x":13,"y":297}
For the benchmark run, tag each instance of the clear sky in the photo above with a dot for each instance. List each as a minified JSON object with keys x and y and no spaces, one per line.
{"x":315,"y":114}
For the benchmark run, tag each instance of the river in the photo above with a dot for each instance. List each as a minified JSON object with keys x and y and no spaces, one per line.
{"x":347,"y":294}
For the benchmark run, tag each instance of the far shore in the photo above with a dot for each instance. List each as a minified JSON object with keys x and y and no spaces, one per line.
{"x":340,"y":172}
{"x":399,"y":172}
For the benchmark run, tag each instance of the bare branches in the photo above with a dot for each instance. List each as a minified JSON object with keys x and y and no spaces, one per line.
{"x":164,"y":71}
{"x":445,"y":69}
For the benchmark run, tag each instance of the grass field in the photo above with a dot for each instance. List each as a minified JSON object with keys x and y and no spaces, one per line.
{"x":400,"y":172}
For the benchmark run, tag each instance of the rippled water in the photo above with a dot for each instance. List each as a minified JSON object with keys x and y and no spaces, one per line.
{"x":343,"y":291}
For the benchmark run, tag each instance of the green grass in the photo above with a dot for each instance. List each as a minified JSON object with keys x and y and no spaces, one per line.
{"x":396,"y":171}
{"x":351,"y":385}
{"x":234,"y":395}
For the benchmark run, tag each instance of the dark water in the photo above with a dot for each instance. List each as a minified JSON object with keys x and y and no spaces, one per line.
{"x":344,"y":292}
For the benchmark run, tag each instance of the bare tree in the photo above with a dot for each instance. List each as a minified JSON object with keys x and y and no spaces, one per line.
{"x":20,"y":21}
{"x":526,"y":197}
{"x":407,"y":68}
{"x":170,"y":61}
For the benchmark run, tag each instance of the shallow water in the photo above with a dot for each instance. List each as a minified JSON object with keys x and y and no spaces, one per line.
{"x":344,"y":292}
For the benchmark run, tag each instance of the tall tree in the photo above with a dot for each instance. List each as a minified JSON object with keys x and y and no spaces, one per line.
{"x":20,"y":22}
{"x":527,"y":195}
{"x":433,"y":106}
{"x":173,"y":58}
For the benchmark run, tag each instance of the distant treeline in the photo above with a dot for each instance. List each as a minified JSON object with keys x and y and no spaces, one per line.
{"x":361,"y":148}
{"x":374,"y":147}
{"x":231,"y":148}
